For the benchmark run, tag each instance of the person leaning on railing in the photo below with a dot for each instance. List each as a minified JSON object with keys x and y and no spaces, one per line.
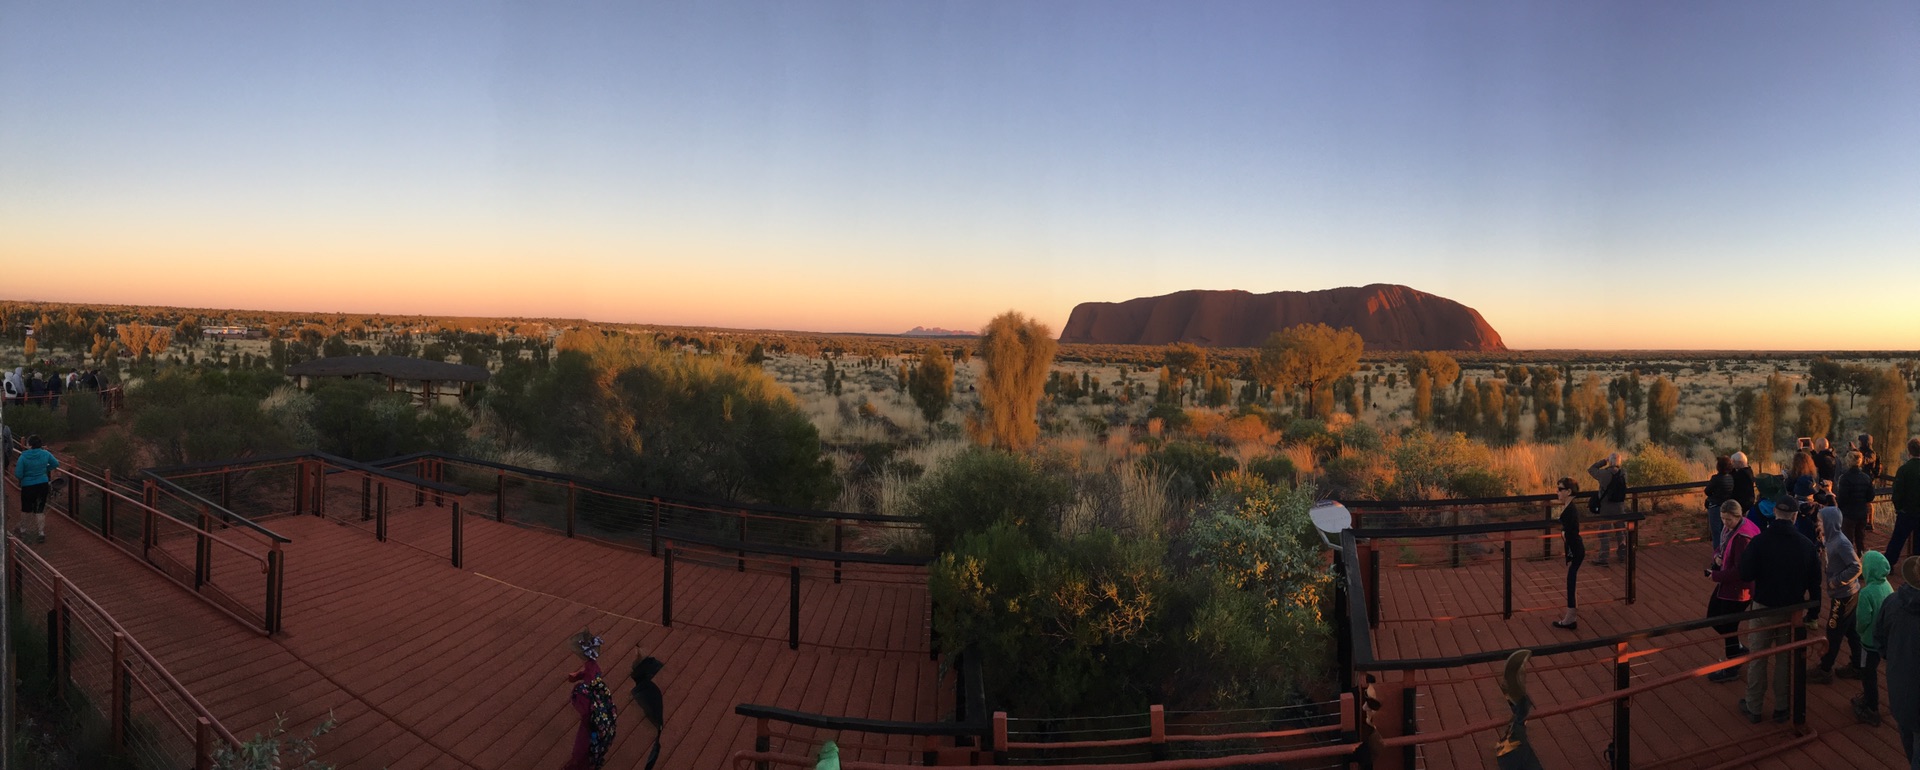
{"x":1906,"y":501}
{"x":1785,"y":569}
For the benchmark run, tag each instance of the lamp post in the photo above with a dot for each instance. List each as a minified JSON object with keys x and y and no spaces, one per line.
{"x":6,"y":615}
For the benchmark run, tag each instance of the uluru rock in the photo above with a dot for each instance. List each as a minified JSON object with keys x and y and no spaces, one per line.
{"x":1387,"y":316}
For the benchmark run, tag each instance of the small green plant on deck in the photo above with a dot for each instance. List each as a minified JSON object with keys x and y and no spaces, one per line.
{"x":276,"y":749}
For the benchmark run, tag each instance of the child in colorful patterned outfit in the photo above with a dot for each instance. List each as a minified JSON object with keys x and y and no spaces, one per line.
{"x":594,"y":702}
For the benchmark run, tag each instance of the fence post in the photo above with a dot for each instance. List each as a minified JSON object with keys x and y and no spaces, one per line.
{"x":380,"y":511}
{"x":500,"y":497}
{"x":793,"y":606}
{"x":73,"y":497}
{"x":300,"y":490}
{"x":319,"y":489}
{"x":1622,"y":713}
{"x":837,"y":548}
{"x":1799,"y":671}
{"x":439,"y":472}
{"x":571,"y":489}
{"x":276,"y":578}
{"x":56,"y":636}
{"x":149,"y":531}
{"x":653,"y":536}
{"x":226,"y":490}
{"x":1546,"y":543}
{"x":106,"y":503}
{"x":1410,"y":722}
{"x":742,"y":516}
{"x":1506,"y":575}
{"x":666,"y":590}
{"x":119,"y":706}
{"x":1373,"y":586}
{"x":999,"y":734}
{"x":202,"y":744}
{"x":366,"y":498}
{"x":459,"y":545}
{"x":1633,"y":566}
{"x":420,"y":492}
{"x":762,"y":740}
{"x":202,"y":553}
{"x":1157,"y":730}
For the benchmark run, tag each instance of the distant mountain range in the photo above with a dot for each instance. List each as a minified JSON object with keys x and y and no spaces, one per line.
{"x":922,"y":331}
{"x":1387,"y":316}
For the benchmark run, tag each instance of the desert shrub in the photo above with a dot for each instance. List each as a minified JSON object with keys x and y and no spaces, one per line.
{"x":1427,"y":466}
{"x":1654,"y":465}
{"x":1359,"y":476}
{"x":1478,"y":482}
{"x":85,"y":414}
{"x":1170,"y":415}
{"x":276,"y":749}
{"x":27,"y":421}
{"x":1361,"y":436}
{"x":982,"y":487}
{"x":361,"y":420}
{"x":183,"y":419}
{"x":1190,"y":467}
{"x":1276,"y":469}
{"x":1062,"y":629}
{"x":112,"y":451}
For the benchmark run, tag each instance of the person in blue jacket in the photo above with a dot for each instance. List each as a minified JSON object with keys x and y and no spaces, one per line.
{"x":34,"y":469}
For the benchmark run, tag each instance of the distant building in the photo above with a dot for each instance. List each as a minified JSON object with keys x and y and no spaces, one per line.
{"x":231,"y":333}
{"x":417,"y":377}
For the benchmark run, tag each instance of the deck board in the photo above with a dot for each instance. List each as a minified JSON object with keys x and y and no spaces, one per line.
{"x":428,"y":666}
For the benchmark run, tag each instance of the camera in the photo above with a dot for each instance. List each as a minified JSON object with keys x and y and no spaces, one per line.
{"x":1806,"y":443}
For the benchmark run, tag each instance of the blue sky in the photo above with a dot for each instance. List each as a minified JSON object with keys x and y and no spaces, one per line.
{"x":1604,"y":175}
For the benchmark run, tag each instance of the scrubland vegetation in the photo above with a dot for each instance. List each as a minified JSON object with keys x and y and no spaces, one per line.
{"x":1109,"y":528}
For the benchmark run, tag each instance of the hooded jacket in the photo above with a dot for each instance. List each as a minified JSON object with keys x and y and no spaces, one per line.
{"x":1719,"y":490}
{"x":1896,"y":628}
{"x":1854,"y":493}
{"x":1783,"y":565}
{"x":1875,"y":590}
{"x":1727,"y":576}
{"x":1843,"y":565}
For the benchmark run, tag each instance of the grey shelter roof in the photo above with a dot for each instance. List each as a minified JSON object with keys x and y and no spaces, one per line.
{"x":396,"y":367}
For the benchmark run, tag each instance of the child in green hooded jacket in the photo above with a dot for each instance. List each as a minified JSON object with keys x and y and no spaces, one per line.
{"x":1874,"y":590}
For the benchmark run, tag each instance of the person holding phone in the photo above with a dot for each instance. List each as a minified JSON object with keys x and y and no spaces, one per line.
{"x":1731,"y":595}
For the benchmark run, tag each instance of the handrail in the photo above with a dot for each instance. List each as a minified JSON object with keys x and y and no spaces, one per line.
{"x":201,"y":468}
{"x":1361,"y":505}
{"x":669,"y":539}
{"x":862,"y":725}
{"x":1480,"y":529}
{"x":225,"y":513}
{"x":641,"y":494}
{"x":1493,"y":656}
{"x":71,"y":591}
{"x":743,"y":759}
{"x":141,"y":504}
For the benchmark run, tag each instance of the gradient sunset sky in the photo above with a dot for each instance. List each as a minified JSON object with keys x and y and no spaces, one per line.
{"x":1586,"y":174}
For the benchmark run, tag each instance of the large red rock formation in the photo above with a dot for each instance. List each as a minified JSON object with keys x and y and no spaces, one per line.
{"x":1387,"y":316}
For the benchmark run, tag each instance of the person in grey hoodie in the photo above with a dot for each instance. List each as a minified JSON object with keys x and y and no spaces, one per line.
{"x":1843,"y":589}
{"x":1613,"y":536}
{"x":1897,"y":628}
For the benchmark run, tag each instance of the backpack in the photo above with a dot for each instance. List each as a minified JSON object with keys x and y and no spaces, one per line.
{"x":602,"y":716}
{"x":1617,"y":488}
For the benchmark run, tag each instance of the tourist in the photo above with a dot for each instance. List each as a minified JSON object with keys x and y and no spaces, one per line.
{"x":1609,"y":496}
{"x":1874,"y":590}
{"x":594,"y":702}
{"x":36,"y":389}
{"x":1869,"y":459}
{"x":90,"y":380}
{"x":1743,"y":489}
{"x":652,"y":704}
{"x":1576,"y":548}
{"x":16,"y":386}
{"x":33,"y":470}
{"x":56,"y":385}
{"x":1785,"y":570}
{"x":1897,"y":628}
{"x":1824,"y":459}
{"x":1843,"y":585}
{"x":1853,"y":494}
{"x":1906,"y":501}
{"x":1802,"y":480}
{"x":1731,"y":595}
{"x":1719,"y":490}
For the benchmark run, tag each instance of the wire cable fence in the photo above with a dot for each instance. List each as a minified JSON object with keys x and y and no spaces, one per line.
{"x":77,"y":662}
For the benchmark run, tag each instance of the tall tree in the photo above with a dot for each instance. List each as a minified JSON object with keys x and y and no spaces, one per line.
{"x":931,"y":384}
{"x":1780,"y":399}
{"x":1309,"y":356}
{"x":1184,"y":361}
{"x":1815,"y":418}
{"x":1017,"y":351}
{"x":1888,"y":411}
{"x":1663,"y":399}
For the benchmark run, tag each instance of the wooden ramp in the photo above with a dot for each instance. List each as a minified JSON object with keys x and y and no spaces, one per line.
{"x":1691,"y":724}
{"x":428,"y":666}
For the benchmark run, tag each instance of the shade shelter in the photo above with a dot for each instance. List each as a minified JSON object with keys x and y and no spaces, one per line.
{"x":417,"y":377}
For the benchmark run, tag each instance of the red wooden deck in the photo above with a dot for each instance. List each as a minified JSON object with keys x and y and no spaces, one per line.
{"x":428,"y":666}
{"x":1694,"y":723}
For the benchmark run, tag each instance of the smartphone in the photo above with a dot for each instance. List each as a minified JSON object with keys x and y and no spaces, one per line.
{"x":1806,"y":443}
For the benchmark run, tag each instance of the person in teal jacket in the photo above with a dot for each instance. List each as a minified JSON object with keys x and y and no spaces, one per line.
{"x":33,"y":469}
{"x":1874,"y":590}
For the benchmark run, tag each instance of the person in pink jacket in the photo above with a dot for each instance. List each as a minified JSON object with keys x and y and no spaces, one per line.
{"x":1731,"y":595}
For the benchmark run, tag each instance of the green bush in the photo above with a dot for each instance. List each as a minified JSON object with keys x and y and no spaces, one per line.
{"x":1654,"y":465}
{"x":39,"y":421}
{"x":1171,"y":416}
{"x":85,"y":414}
{"x":1190,"y":467}
{"x":1276,"y":469}
{"x":112,"y":451}
{"x":982,"y":487}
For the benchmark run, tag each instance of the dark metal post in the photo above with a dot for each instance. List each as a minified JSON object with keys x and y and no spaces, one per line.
{"x":459,"y":545}
{"x":666,"y":591}
{"x":1373,"y":586}
{"x":1546,"y":543}
{"x":793,"y":607}
{"x":743,"y":541}
{"x":1506,"y":575}
{"x":1622,"y":714}
{"x":653,"y":537}
{"x":500,"y":497}
{"x":1633,"y":570}
{"x":226,"y":490}
{"x":380,"y":511}
{"x":202,"y":553}
{"x":1799,"y":671}
{"x":300,"y":489}
{"x":366,"y":498}
{"x":1409,"y":722}
{"x":276,"y":579}
{"x":837,"y":548}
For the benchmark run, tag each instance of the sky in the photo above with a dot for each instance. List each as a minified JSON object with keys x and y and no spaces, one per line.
{"x":1613,"y":175}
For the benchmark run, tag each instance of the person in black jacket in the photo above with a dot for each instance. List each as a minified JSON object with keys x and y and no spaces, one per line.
{"x":1853,"y":495}
{"x":1743,"y":489}
{"x":1824,"y":460}
{"x":1719,"y":490}
{"x":1576,"y":549}
{"x":1785,"y":569}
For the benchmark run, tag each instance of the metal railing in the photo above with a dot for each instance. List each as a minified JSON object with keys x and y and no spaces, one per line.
{"x":112,"y":398}
{"x":796,"y":564}
{"x":239,"y":571}
{"x":90,"y":665}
